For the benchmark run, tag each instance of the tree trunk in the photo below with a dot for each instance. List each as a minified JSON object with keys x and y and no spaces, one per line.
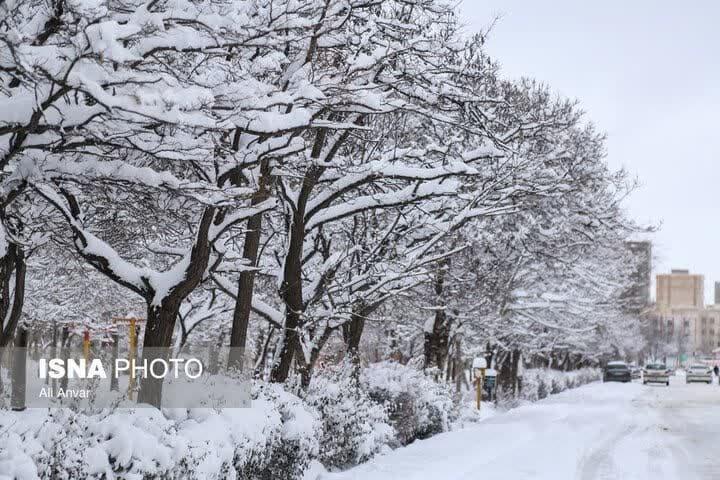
{"x":160,"y":321}
{"x":64,"y":341}
{"x":19,"y":367}
{"x":290,"y":343}
{"x":53,"y":351}
{"x":214,"y":360}
{"x":261,"y":362}
{"x":114,"y":387}
{"x":12,"y":298}
{"x":458,"y":367}
{"x":291,"y":290}
{"x":436,"y":344}
{"x":13,"y":263}
{"x":514,"y":372}
{"x":34,"y":343}
{"x":507,"y":374}
{"x":352,"y":332}
{"x":159,"y":327}
{"x":567,"y":363}
{"x":246,"y":283}
{"x":308,"y":368}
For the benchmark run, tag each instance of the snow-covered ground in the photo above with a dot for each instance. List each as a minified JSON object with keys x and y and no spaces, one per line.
{"x":599,"y":431}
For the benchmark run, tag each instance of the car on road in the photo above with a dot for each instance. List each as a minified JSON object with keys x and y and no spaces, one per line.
{"x":635,"y":372}
{"x":656,"y":373}
{"x":617,"y":372}
{"x":699,"y":373}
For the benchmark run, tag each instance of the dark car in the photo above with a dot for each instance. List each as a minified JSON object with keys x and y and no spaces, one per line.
{"x":617,"y":372}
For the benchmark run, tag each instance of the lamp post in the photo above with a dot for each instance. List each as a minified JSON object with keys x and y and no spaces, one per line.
{"x":86,"y":345}
{"x":479,"y":366}
{"x":132,"y":322}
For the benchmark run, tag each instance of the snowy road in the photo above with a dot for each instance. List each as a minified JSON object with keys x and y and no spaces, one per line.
{"x":599,"y":431}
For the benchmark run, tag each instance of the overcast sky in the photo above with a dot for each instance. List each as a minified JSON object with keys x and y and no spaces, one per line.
{"x":647,"y":73}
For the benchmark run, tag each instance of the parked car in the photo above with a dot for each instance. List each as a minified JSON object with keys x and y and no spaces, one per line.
{"x":699,"y":373}
{"x":656,"y":373}
{"x":635,"y":372}
{"x":617,"y":372}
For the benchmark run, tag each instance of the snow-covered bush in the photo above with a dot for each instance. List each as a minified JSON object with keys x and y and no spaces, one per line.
{"x":542,"y":390}
{"x":418,"y":406}
{"x":556,"y":385}
{"x":468,"y":413}
{"x":290,"y":450}
{"x":68,"y":445}
{"x":540,"y":382}
{"x":354,"y":427}
{"x":276,"y":437}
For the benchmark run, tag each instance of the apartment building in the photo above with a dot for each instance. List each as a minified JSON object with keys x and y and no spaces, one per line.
{"x":681,"y":314}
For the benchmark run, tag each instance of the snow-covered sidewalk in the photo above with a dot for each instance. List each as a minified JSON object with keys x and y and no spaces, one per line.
{"x":599,"y":431}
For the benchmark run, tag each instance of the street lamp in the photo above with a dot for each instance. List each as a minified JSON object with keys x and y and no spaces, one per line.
{"x":479,"y":365}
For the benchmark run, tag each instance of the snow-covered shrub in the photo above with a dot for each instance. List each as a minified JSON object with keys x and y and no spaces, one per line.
{"x":66,"y":445}
{"x":61,"y":439}
{"x":354,"y":427}
{"x":275,"y":438}
{"x":138,"y":442}
{"x":418,"y":406}
{"x":467,"y":411}
{"x":556,"y":385}
{"x":290,"y":450}
{"x":538,"y":383}
{"x":542,"y":390}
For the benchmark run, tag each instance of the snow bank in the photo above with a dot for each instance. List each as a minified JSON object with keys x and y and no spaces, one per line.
{"x":573,"y":435}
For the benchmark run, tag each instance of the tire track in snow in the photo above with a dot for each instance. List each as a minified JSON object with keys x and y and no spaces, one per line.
{"x":599,"y":463}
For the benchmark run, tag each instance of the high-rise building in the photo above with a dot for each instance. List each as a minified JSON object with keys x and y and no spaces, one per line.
{"x":680,"y":289}
{"x":681,"y":315}
{"x":717,"y":293}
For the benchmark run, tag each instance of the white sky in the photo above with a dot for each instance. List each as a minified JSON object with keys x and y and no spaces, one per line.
{"x":647,"y":72}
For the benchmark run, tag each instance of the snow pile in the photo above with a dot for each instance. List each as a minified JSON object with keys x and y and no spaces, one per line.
{"x":538,"y":383}
{"x":468,"y":413}
{"x":418,"y":406}
{"x":597,"y":431}
{"x":354,"y":427}
{"x":15,"y":461}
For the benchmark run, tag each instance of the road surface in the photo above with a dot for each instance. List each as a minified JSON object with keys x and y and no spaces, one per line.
{"x":596,"y":432}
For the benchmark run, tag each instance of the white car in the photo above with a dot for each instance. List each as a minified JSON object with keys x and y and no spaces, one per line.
{"x":698,"y":373}
{"x":656,"y":373}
